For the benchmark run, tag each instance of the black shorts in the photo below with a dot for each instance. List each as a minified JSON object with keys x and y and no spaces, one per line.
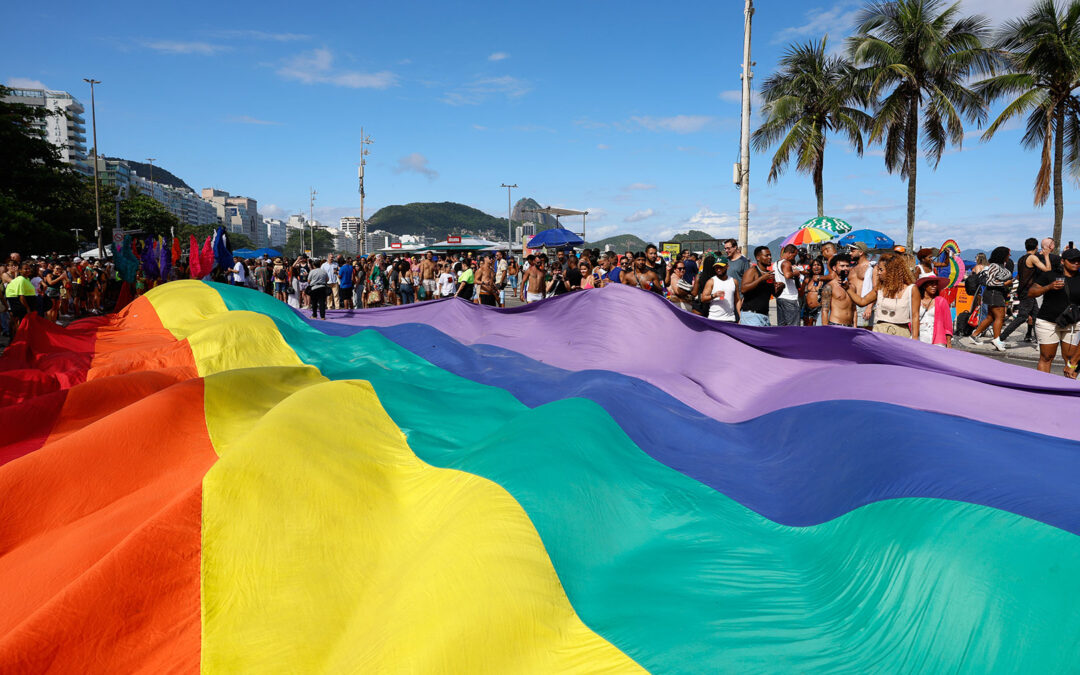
{"x":994,"y":297}
{"x":488,"y":300}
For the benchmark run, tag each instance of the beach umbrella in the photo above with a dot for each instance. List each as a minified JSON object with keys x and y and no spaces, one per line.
{"x":807,"y":235}
{"x":556,"y":237}
{"x":872,"y":238}
{"x":834,"y":225}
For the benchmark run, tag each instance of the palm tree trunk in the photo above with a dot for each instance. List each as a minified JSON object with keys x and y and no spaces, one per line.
{"x":911,"y":156}
{"x":819,"y":184}
{"x":1059,"y":150}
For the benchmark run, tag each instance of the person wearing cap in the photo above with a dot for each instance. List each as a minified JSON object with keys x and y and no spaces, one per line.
{"x":721,"y":293}
{"x":1061,"y":298}
{"x":935,"y":316}
{"x":787,"y":279}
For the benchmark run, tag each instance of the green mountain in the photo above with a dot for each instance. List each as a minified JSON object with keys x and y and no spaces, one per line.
{"x":621,"y":243}
{"x":522,"y":213}
{"x":439,"y":220}
{"x":161,"y":174}
{"x":693,"y":235}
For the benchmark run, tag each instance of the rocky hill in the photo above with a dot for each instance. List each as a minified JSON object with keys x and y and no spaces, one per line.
{"x":439,"y":220}
{"x":520,"y":215}
{"x":161,"y":174}
{"x":620,"y":243}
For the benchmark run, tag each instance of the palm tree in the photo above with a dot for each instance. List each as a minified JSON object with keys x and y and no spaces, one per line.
{"x":1041,"y":53}
{"x":916,"y":56}
{"x":810,"y":95}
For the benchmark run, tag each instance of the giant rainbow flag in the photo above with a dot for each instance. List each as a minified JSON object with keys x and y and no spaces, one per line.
{"x":594,"y":483}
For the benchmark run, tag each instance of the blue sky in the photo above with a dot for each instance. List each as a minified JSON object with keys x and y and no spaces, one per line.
{"x":629,"y":110}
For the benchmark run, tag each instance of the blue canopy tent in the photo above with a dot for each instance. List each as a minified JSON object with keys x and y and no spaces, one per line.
{"x":244,"y":253}
{"x":269,"y":252}
{"x":556,"y":237}
{"x":872,"y":238}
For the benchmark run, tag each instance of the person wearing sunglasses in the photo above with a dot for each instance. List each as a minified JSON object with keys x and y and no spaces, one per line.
{"x":680,"y":288}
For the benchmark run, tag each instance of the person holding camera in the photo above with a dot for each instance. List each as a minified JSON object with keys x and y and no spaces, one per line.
{"x":1058,"y":319}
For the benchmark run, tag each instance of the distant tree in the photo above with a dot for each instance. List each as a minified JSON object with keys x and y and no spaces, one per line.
{"x":1041,"y":52}
{"x":811,"y":95}
{"x":299,"y":241}
{"x":917,"y":57}
{"x":41,"y":197}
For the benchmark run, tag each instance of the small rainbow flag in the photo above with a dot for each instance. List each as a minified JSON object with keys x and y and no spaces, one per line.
{"x":209,"y":481}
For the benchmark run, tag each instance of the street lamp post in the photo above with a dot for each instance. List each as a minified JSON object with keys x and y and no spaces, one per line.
{"x":97,"y":202}
{"x":311,"y":219}
{"x":509,"y":212}
{"x":361,"y":232}
{"x":151,"y":160}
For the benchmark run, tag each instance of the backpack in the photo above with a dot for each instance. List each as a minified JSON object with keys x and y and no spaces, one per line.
{"x":972,"y":283}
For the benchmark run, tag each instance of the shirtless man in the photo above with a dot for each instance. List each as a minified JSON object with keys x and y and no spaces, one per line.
{"x":837,"y":309}
{"x":860,"y":266}
{"x":534,"y":280}
{"x":485,"y":280}
{"x":642,"y":277}
{"x":427,"y":277}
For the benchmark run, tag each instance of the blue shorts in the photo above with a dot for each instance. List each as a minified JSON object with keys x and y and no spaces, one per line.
{"x":753,"y":319}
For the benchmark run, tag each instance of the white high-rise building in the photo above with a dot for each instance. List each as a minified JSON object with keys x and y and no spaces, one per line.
{"x":276,"y":232}
{"x":65,"y":127}
{"x":189,"y":207}
{"x":238,"y":214}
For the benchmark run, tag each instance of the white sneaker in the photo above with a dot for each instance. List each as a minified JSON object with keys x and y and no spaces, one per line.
{"x":971,"y":340}
{"x":998,"y":344}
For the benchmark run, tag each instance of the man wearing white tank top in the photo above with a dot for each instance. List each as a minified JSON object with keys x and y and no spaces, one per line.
{"x":787,"y":303}
{"x":721,"y":294}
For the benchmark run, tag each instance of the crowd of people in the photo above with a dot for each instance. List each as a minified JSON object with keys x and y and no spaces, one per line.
{"x":897,"y":292}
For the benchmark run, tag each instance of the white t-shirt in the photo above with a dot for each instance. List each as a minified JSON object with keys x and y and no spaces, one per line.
{"x":239,"y":273}
{"x":722,"y":309}
{"x":446,"y":284}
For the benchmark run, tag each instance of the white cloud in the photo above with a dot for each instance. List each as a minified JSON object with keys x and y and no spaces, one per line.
{"x":179,"y":47}
{"x":416,"y":163}
{"x":600,"y":232}
{"x":640,"y":186}
{"x":706,"y":218}
{"x":262,"y":35}
{"x":602,"y":146}
{"x":638,"y":216}
{"x":498,"y":56}
{"x":317,"y":67}
{"x":25,"y":83}
{"x":247,"y":119}
{"x":273,"y":211}
{"x":680,"y":124}
{"x":836,"y":21}
{"x":481,"y":89}
{"x":479,"y":127}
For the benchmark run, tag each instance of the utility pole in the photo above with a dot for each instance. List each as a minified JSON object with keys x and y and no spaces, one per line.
{"x":744,"y":160}
{"x":509,"y":210}
{"x":311,"y":219}
{"x":151,"y":160}
{"x":97,"y":202}
{"x":77,"y":230}
{"x":362,"y":232}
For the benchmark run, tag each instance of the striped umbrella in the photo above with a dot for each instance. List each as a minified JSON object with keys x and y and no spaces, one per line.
{"x":807,"y":235}
{"x":834,"y":225}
